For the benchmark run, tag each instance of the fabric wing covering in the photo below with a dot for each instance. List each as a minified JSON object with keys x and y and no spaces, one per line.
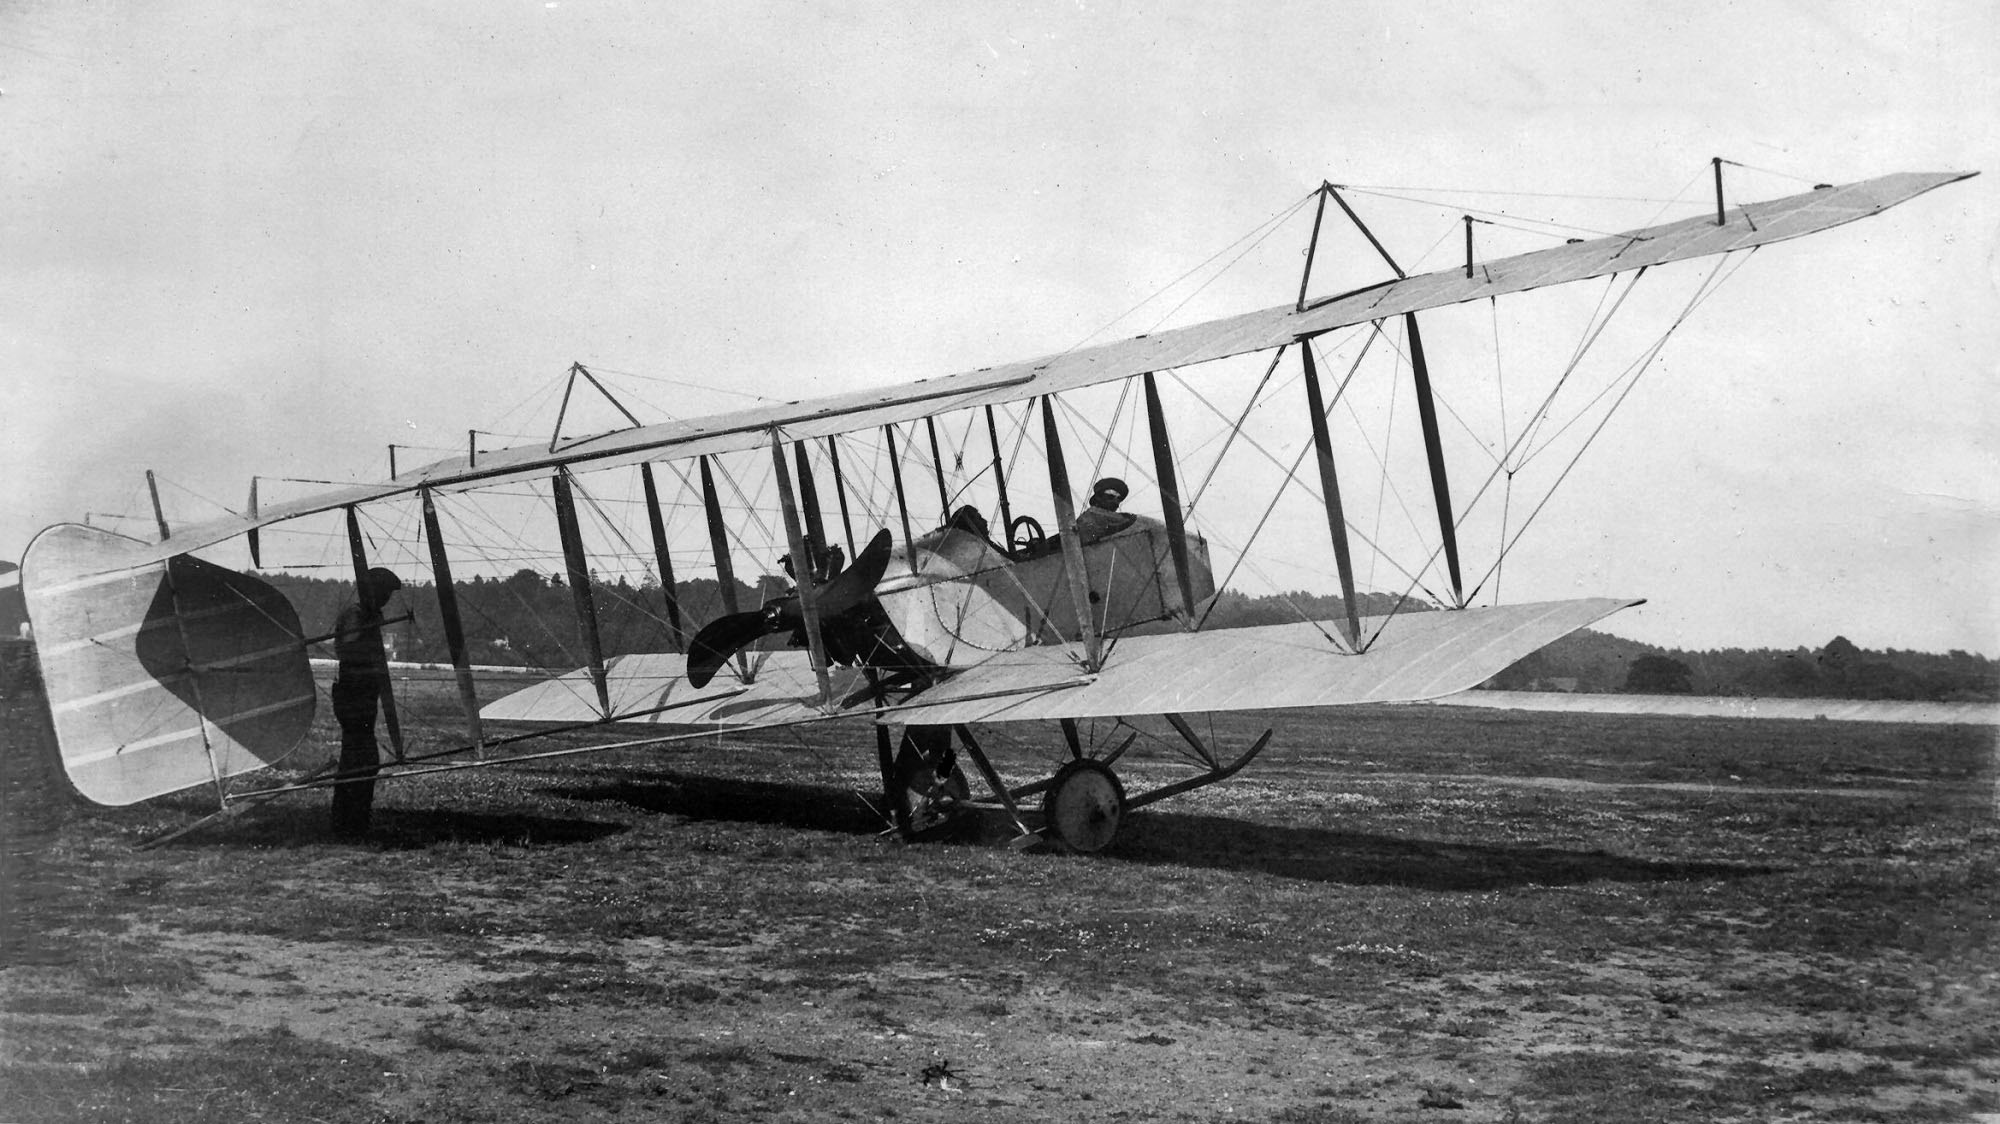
{"x":1748,"y":226}
{"x":161,"y":675}
{"x":1418,"y":656}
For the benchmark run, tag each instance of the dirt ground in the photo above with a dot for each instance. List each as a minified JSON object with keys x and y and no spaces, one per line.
{"x":1398,"y":914}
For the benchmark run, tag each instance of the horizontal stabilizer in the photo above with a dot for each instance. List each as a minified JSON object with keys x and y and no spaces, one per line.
{"x":161,"y":675}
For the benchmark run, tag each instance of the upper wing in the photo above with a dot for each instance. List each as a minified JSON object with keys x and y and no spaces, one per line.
{"x":1754,"y":224}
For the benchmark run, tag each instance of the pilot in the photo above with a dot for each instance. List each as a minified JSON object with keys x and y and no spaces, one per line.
{"x":357,"y":695}
{"x":1102,"y":519}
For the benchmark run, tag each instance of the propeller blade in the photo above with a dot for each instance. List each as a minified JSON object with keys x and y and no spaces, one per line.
{"x":856,"y":584}
{"x":723,"y":637}
{"x":720,"y":639}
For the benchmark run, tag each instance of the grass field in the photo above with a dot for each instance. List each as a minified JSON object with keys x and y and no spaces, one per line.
{"x":1395,"y":914}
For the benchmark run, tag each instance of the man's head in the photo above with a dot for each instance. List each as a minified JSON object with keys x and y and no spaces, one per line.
{"x":379,"y":585}
{"x":1108,"y":493}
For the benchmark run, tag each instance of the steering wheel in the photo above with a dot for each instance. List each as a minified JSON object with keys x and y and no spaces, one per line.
{"x":1025,"y":538}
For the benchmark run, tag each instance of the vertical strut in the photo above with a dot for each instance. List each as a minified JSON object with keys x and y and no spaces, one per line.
{"x":1312,"y":247}
{"x":1719,"y":219}
{"x":579,"y":586}
{"x":676,"y":639}
{"x":256,"y":543}
{"x":1434,"y":450}
{"x":1000,"y":481}
{"x":1336,"y":518}
{"x":718,"y":545}
{"x":902,"y":501}
{"x":840,"y":492}
{"x":357,"y":550}
{"x":1170,"y":496}
{"x":159,"y":513}
{"x":937,"y":466}
{"x":802,"y":566}
{"x":809,"y":500}
{"x":1065,"y":508}
{"x":454,"y":628}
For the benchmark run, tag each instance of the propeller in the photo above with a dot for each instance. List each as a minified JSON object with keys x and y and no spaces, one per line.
{"x":839,"y":595}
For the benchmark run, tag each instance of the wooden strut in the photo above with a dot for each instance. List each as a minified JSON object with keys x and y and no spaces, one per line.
{"x":1366,"y":233}
{"x":718,"y":545}
{"x":902,"y":501}
{"x":1065,"y":509}
{"x":575,"y":369}
{"x":840,"y":493}
{"x":159,"y":513}
{"x":1170,"y":497}
{"x":937,"y":466}
{"x":1720,"y":220}
{"x":809,"y":499}
{"x":578,"y":565}
{"x":1329,"y":481}
{"x":669,"y":589}
{"x":993,"y":781}
{"x":1312,"y":244}
{"x":802,"y":569}
{"x":454,"y":628}
{"x":1000,"y":480}
{"x":1434,"y":453}
{"x":357,"y":550}
{"x":1426,"y":402}
{"x":256,"y":541}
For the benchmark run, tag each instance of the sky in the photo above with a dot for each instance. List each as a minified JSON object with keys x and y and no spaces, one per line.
{"x":272,"y":239}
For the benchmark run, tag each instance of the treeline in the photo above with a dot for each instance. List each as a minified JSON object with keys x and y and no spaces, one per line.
{"x":525,"y":620}
{"x":529,"y":620}
{"x":1596,"y":662}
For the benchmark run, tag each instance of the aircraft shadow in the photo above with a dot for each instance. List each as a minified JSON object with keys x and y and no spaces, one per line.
{"x":1156,"y":837}
{"x":781,"y":804}
{"x":1318,"y":854}
{"x":402,"y":829}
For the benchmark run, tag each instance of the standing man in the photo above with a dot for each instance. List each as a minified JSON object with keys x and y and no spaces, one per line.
{"x":357,"y":695}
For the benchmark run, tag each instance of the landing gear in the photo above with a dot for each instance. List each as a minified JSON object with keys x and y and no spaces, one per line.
{"x":926,"y":789}
{"x":1083,"y":807}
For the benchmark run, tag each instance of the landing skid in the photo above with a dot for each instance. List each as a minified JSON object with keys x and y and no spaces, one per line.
{"x":1084,"y":804}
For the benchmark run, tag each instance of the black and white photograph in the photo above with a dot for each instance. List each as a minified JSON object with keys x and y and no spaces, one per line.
{"x":1291,"y":563}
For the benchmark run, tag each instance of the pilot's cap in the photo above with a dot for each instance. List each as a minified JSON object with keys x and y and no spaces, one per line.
{"x":1108,"y":493}
{"x":382,"y":582}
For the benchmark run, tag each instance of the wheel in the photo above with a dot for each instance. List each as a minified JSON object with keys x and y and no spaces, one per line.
{"x":1084,"y":806}
{"x":1025,"y":538}
{"x":928,"y":791}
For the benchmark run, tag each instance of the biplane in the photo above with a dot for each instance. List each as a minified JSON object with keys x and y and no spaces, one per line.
{"x":999,"y":602}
